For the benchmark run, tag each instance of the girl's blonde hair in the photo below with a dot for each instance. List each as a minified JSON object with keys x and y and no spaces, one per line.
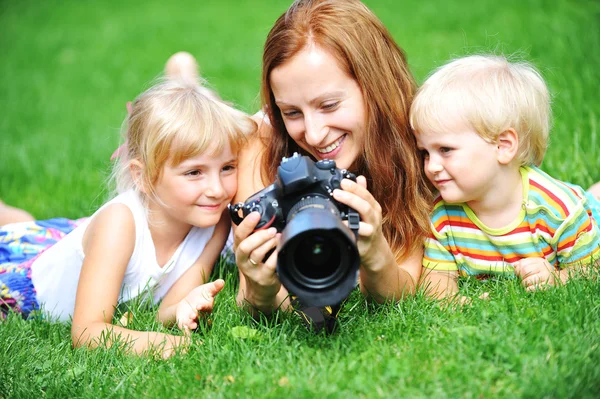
{"x":366,"y":51}
{"x":491,"y":95}
{"x":173,"y":121}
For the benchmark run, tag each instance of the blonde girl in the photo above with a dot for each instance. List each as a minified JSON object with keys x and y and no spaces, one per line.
{"x":158,"y":238}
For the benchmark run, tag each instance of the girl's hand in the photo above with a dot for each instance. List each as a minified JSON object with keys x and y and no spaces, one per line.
{"x":251,"y":249}
{"x":536,"y":273}
{"x":200,"y":299}
{"x":173,"y":344}
{"x":370,"y":234}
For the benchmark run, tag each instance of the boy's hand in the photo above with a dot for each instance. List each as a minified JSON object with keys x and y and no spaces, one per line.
{"x":200,"y":299}
{"x":535,"y":273}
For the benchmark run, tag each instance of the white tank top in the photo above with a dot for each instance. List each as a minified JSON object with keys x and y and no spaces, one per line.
{"x":55,"y":274}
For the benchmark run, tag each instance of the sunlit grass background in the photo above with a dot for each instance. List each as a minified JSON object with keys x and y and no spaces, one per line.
{"x":68,"y":68}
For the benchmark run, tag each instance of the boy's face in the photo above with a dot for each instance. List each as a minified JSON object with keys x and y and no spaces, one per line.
{"x":460,"y":163}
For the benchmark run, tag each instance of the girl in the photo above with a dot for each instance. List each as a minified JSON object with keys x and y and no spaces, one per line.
{"x":159,"y":237}
{"x":335,"y":85}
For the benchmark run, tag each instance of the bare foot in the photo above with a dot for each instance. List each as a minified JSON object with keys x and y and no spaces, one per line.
{"x":183,"y":65}
{"x":10,"y":214}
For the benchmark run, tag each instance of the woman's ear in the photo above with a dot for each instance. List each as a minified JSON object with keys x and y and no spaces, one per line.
{"x":136,"y":169}
{"x":508,"y":146}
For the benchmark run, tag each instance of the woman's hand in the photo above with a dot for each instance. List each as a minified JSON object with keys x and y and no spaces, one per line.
{"x":200,"y":299}
{"x":261,"y":283}
{"x":370,"y":234}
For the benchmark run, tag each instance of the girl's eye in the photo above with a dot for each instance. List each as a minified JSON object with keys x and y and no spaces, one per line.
{"x":229,"y":168}
{"x":445,"y":150}
{"x":193,"y":173}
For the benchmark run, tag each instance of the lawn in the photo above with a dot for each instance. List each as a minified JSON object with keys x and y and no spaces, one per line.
{"x":70,"y":66}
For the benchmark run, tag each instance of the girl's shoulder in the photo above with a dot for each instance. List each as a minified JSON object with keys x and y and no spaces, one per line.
{"x":114,"y":219}
{"x":123,"y":216}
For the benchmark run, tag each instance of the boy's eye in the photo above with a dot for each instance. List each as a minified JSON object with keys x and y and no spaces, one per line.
{"x":229,"y":168}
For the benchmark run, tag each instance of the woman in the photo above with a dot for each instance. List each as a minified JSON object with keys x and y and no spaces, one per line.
{"x":335,"y":85}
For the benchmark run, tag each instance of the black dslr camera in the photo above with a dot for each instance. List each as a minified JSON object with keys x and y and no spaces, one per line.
{"x":317,"y":256}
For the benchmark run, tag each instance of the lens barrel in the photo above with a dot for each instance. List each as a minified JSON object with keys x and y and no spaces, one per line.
{"x":318,"y":260}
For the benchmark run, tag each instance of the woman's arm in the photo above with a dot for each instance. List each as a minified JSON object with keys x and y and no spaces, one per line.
{"x":195,"y":276}
{"x":260,"y":289}
{"x":383,"y":276}
{"x":439,"y":284}
{"x":390,"y":278}
{"x":108,"y":245}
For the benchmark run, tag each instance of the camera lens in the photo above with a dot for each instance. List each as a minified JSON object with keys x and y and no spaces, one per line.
{"x":319,"y":255}
{"x":318,"y":260}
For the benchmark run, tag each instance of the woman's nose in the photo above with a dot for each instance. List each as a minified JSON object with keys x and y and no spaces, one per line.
{"x":315,"y":130}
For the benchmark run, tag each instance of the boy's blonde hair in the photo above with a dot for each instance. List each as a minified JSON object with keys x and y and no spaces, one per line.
{"x":491,"y":95}
{"x":173,"y":121}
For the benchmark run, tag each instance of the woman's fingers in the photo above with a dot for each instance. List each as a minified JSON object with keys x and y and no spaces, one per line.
{"x":258,"y":254}
{"x":253,"y":242}
{"x":244,"y":229}
{"x":271,"y":263}
{"x":358,"y":197}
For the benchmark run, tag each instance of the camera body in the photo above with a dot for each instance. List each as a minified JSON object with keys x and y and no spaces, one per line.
{"x":299,"y":177}
{"x":317,"y":255}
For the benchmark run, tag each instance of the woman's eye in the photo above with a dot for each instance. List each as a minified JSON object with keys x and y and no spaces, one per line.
{"x":330,"y":106}
{"x":290,"y":114}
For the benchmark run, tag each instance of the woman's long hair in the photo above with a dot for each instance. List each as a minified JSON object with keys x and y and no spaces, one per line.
{"x":366,"y":51}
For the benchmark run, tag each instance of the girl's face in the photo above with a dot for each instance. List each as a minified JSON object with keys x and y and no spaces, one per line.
{"x":197,"y":191}
{"x":322,"y":107}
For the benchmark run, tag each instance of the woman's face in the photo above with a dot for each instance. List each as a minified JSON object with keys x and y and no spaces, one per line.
{"x":322,"y":107}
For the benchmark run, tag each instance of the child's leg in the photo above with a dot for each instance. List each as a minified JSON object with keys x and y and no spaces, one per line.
{"x":182,"y":65}
{"x":9,"y":214}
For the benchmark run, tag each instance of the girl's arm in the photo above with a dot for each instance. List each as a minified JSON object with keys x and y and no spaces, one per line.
{"x":108,"y":244}
{"x":196,"y":275}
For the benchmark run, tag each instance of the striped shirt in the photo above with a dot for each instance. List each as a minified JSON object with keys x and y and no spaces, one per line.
{"x":555,"y":223}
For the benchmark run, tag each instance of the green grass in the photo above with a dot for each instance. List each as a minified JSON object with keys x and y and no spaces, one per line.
{"x":68,"y":69}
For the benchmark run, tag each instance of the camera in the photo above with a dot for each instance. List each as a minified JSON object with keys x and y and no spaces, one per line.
{"x":317,"y":258}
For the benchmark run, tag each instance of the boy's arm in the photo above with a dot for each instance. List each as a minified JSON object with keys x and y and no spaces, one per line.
{"x":108,"y":245}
